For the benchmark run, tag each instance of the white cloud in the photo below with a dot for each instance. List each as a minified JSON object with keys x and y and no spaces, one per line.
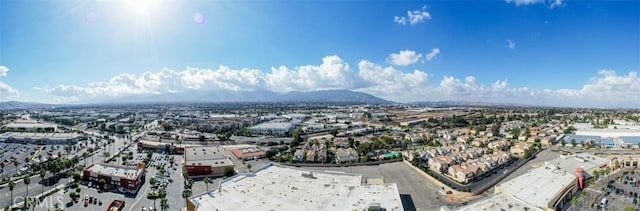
{"x":550,"y":3}
{"x":333,"y":73}
{"x":3,"y":70}
{"x":434,"y":52}
{"x":605,"y":89}
{"x":511,"y":44}
{"x":404,"y":58}
{"x":7,"y":92}
{"x":500,"y":84}
{"x":400,"y":20}
{"x":556,"y":3}
{"x":524,"y":2}
{"x":390,"y":83}
{"x":413,"y":17}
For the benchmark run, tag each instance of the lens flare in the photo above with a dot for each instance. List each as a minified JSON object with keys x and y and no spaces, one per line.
{"x":198,"y":18}
{"x":90,"y":17}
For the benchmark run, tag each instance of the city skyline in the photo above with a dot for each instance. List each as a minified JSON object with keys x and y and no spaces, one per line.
{"x":550,"y":53}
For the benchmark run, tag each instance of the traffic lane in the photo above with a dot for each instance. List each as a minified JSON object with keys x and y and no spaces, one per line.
{"x":140,"y":199}
{"x":20,"y":191}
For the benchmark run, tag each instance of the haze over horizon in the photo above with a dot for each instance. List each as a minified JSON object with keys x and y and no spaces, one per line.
{"x":530,"y":52}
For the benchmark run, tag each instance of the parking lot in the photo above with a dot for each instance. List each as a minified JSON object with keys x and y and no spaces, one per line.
{"x":620,"y":189}
{"x":10,"y":152}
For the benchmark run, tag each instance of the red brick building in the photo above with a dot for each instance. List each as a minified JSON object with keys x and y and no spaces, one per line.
{"x":128,"y":177}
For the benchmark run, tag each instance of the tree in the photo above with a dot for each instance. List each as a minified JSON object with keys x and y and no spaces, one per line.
{"x":206,"y":183}
{"x":72,"y":195}
{"x":270,"y":153}
{"x":629,"y":208}
{"x":43,"y":173}
{"x":27,"y":180}
{"x":164,"y":204}
{"x":102,"y":182}
{"x":186,"y":194}
{"x":11,"y":186}
{"x":333,"y":131}
{"x":229,"y":171}
{"x":249,"y":166}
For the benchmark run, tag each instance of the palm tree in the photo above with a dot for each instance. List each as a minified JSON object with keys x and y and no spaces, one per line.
{"x":164,"y":204}
{"x":43,"y":173}
{"x":27,"y":180}
{"x":206,"y":182}
{"x":185,"y":195}
{"x":11,"y":186}
{"x":16,"y":163}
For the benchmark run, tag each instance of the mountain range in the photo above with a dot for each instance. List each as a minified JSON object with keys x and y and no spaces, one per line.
{"x":324,"y":96}
{"x":22,"y":105}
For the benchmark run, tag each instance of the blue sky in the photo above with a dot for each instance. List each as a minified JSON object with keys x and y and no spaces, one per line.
{"x":566,"y":53}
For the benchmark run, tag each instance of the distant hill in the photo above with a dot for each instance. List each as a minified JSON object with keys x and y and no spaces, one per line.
{"x":22,"y":105}
{"x":467,"y":104}
{"x":325,"y":96}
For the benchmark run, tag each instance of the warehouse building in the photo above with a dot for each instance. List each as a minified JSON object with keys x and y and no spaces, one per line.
{"x":40,"y":138}
{"x":206,"y":161}
{"x":272,"y":128}
{"x":25,"y":125}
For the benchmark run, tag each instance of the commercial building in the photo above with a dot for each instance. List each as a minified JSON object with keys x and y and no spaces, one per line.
{"x":549,"y":187}
{"x":40,"y":138}
{"x":115,"y":176}
{"x":206,"y":161}
{"x":282,"y":188}
{"x":28,"y":126}
{"x":273,"y":128}
{"x":249,"y":153}
{"x":145,"y":143}
{"x":544,"y":188}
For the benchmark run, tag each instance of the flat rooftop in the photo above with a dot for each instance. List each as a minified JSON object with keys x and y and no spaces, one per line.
{"x":272,"y":125}
{"x":211,"y":156}
{"x":282,"y":188}
{"x":588,"y":162}
{"x":28,"y":125}
{"x":497,"y":202}
{"x":39,"y":135}
{"x":539,"y":186}
{"x":116,"y":171}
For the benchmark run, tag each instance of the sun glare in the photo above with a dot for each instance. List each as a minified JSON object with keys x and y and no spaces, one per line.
{"x":140,"y":7}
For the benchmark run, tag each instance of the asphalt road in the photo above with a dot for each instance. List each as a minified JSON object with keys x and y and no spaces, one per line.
{"x":20,"y":190}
